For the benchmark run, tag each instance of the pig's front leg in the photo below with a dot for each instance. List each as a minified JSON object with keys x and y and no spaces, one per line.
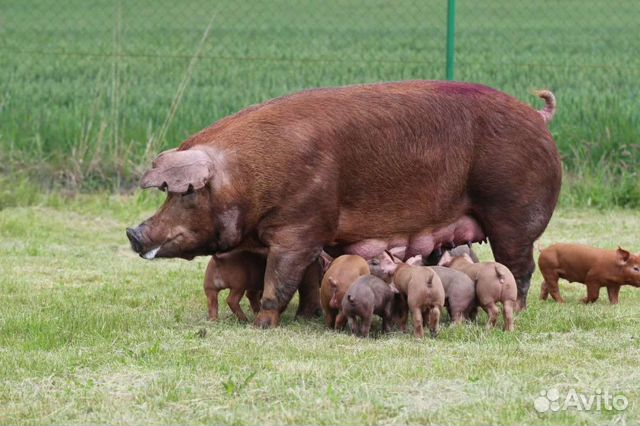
{"x":285,"y":268}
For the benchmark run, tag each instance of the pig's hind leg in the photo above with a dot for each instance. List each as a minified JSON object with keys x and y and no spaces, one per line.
{"x":212,"y":302}
{"x":233,"y":300}
{"x":550,"y":285}
{"x":365,"y":325}
{"x":353,"y":325}
{"x":493,"y":311}
{"x":508,"y":307}
{"x":434,"y":320}
{"x":418,"y":325}
{"x":211,"y":291}
{"x":340,"y":321}
{"x":254,"y":300}
{"x":330,"y":318}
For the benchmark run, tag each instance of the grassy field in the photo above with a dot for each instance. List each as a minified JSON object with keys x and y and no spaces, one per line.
{"x":90,"y":333}
{"x":90,"y":90}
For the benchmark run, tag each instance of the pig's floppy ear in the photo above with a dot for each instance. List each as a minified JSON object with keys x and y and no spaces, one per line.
{"x":333,"y":283}
{"x":623,"y":255}
{"x":445,"y":259}
{"x":179,"y":171}
{"x":325,"y":260}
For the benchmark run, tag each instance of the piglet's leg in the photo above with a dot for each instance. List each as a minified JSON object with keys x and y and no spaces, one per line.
{"x":550,"y":285}
{"x":341,"y":319}
{"x":285,"y":268}
{"x":456,"y":316}
{"x":233,"y":300}
{"x":330,"y":318}
{"x":254,"y":300}
{"x":593,"y":292}
{"x":212,"y":301}
{"x":418,"y":328}
{"x":211,"y":291}
{"x":613,"y":293}
{"x":386,"y":318}
{"x":365,"y":325}
{"x":353,"y":325}
{"x":493,"y":311}
{"x":544,"y":291}
{"x":434,"y":320}
{"x":508,"y":315}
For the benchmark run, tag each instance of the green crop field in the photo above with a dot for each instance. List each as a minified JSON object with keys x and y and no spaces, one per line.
{"x":91,"y":334}
{"x":90,"y":90}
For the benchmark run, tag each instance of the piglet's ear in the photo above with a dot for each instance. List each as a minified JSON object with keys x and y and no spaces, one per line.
{"x":623,"y":255}
{"x":325,"y":260}
{"x":445,"y":259}
{"x":179,"y":171}
{"x":333,"y":283}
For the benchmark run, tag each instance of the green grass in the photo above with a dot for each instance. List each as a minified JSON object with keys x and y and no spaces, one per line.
{"x":87,"y":88}
{"x":90,"y":333}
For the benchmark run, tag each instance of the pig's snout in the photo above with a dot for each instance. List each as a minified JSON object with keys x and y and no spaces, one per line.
{"x":133,"y":234}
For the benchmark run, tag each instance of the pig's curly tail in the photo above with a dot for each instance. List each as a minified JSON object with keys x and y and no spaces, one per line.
{"x":549,"y":109}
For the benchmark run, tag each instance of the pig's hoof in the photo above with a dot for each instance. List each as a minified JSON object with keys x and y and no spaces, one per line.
{"x":434,"y":334}
{"x":309,"y":313}
{"x":521,"y":304}
{"x":267,"y":319}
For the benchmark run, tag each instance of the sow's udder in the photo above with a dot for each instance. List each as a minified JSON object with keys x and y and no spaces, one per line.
{"x":464,"y":230}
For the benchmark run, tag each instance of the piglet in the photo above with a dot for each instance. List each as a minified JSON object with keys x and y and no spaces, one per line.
{"x":421,"y":288}
{"x":368,"y":295}
{"x":242,"y":272}
{"x":459,"y":290}
{"x":425,"y":296}
{"x":460,"y":294}
{"x":239,"y":271}
{"x":460,"y":250}
{"x":494,"y":283}
{"x":592,"y":266}
{"x":337,"y":279}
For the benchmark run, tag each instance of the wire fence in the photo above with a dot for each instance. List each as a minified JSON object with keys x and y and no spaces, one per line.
{"x":91,"y":86}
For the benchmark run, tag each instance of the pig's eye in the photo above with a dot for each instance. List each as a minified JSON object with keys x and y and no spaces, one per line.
{"x":636,"y":269}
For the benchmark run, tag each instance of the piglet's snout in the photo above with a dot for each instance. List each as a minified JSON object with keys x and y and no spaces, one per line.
{"x":133,"y":234}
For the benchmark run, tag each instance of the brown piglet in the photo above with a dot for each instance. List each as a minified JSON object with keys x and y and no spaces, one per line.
{"x":342,"y":272}
{"x":368,"y":296}
{"x":239,"y":271}
{"x":422,"y":288}
{"x":242,"y":272}
{"x":494,"y":283}
{"x":592,"y":266}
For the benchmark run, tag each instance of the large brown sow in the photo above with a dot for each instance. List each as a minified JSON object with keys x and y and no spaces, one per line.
{"x":319,"y":169}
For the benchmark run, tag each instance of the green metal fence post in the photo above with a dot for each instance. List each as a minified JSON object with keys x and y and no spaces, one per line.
{"x":451,"y":38}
